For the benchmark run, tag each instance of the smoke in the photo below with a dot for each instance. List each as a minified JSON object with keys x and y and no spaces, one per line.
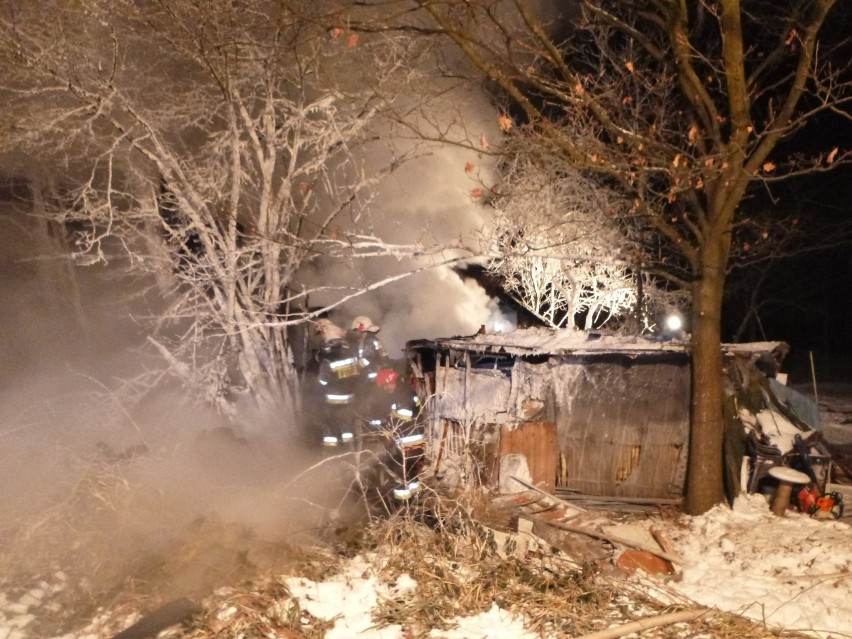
{"x":433,"y":200}
{"x":105,"y":469}
{"x":107,"y":476}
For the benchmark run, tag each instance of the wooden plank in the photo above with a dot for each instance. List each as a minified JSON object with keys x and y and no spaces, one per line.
{"x":683,"y":616}
{"x":571,"y":494}
{"x":548,"y":495}
{"x":537,"y":442}
{"x":613,"y":539}
{"x":517,"y":500}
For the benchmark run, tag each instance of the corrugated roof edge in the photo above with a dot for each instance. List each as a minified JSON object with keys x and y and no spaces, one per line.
{"x":545,"y":341}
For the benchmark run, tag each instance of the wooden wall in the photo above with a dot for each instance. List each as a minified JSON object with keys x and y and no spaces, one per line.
{"x":623,"y":426}
{"x":611,"y":425}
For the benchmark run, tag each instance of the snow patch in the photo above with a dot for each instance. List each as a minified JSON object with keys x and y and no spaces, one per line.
{"x":791,"y":572}
{"x":350,"y":598}
{"x":496,"y":623}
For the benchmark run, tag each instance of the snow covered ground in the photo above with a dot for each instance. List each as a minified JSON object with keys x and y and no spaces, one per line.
{"x":835,"y":404}
{"x":350,"y":597}
{"x":791,"y":572}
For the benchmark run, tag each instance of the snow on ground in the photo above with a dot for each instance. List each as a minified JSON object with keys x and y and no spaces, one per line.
{"x":350,"y":597}
{"x":792,"y":572}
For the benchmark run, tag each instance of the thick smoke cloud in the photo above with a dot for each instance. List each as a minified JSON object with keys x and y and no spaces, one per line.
{"x":429,"y":199}
{"x":102,"y":478}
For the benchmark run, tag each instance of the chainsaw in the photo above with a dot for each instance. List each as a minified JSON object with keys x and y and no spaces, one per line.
{"x":829,"y":506}
{"x":825,"y":506}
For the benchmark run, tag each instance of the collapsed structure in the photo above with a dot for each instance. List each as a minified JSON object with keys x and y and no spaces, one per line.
{"x":577,"y":413}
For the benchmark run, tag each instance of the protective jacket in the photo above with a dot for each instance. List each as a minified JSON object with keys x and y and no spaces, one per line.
{"x":371,"y":353}
{"x":338,"y":372}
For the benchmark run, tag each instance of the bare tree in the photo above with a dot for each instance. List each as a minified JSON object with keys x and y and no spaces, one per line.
{"x":219,"y":146}
{"x":564,"y":250}
{"x":683,"y":106}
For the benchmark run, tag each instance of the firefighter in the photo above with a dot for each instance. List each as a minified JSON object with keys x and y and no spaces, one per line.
{"x":393,"y":412}
{"x":398,"y":401}
{"x":337,"y":378}
{"x":372,"y":356}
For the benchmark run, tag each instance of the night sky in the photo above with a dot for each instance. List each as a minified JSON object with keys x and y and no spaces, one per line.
{"x":807,"y":299}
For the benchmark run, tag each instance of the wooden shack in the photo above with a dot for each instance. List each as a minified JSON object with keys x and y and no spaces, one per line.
{"x":570,"y":412}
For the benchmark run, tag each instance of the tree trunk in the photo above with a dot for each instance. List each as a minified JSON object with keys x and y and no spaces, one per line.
{"x":705,"y":472}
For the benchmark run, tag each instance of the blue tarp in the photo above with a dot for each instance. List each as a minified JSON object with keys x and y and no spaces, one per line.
{"x":800,"y":405}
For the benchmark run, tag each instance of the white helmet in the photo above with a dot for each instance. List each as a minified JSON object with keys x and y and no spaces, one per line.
{"x":362,"y":324}
{"x":328,"y":330}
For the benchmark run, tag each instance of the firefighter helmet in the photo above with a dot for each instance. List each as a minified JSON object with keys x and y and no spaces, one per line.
{"x":362,"y":324}
{"x":328,"y":330}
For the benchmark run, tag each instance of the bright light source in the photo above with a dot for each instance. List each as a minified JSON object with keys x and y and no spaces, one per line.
{"x":674,"y":323}
{"x":501,"y":318}
{"x":498,"y":325}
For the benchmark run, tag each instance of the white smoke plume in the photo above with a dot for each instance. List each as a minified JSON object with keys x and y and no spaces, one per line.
{"x":431,"y":199}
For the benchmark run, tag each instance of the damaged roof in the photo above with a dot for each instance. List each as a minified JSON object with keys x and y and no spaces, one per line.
{"x":547,"y":341}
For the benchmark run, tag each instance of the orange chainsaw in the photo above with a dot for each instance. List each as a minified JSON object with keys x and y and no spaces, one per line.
{"x":825,"y":506}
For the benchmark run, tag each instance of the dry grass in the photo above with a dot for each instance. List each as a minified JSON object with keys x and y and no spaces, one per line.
{"x":461,"y":574}
{"x":68,"y":539}
{"x":458,"y":573}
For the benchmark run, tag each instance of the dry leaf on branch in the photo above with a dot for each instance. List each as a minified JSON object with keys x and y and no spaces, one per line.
{"x":832,"y":155}
{"x":693,"y":134}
